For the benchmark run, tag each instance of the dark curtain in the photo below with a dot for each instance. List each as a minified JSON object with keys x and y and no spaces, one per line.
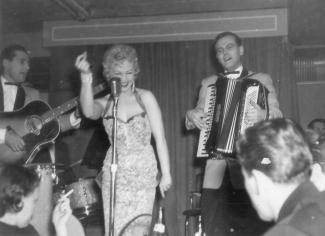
{"x":173,"y":72}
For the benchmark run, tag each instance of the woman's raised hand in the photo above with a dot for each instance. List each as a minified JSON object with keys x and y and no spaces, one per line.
{"x":82,"y":64}
{"x":84,"y":67}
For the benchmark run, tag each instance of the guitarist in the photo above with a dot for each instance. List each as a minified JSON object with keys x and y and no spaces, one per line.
{"x":15,"y":93}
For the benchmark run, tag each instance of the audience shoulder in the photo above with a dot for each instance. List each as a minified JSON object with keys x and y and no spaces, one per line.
{"x":309,"y":218}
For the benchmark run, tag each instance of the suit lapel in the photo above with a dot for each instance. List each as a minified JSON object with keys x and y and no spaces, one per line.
{"x":243,"y":73}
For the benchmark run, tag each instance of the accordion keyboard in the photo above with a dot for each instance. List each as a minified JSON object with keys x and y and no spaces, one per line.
{"x":209,"y":110}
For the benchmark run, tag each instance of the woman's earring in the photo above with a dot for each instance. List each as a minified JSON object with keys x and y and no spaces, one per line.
{"x":133,"y":86}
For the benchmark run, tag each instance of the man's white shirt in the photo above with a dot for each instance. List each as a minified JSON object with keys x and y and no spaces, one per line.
{"x":9,"y":98}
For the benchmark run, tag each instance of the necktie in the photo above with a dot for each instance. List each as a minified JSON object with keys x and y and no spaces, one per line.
{"x":231,"y":72}
{"x":13,"y":84}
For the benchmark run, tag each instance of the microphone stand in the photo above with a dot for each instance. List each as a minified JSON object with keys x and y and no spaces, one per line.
{"x":113,"y":172}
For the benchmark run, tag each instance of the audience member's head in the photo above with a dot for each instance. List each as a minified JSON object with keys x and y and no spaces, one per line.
{"x":317,"y":125}
{"x":318,"y":151}
{"x":18,"y":194}
{"x":275,"y":158}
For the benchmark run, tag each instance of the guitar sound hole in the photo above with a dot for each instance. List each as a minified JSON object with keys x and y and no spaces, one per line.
{"x":34,"y":124}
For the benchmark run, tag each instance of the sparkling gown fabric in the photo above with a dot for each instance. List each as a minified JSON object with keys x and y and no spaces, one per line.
{"x":136,"y":176}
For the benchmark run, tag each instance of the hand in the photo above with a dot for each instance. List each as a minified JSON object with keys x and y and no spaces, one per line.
{"x":14,"y":141}
{"x":77,"y":112}
{"x":61,"y":214}
{"x":259,"y":115}
{"x":198,"y":118}
{"x":165,"y":184}
{"x":82,"y":64}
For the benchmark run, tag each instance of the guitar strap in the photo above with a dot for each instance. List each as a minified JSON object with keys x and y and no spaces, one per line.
{"x":1,"y":97}
{"x":20,"y":97}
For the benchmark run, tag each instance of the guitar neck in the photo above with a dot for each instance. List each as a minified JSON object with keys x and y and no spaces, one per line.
{"x":69,"y":105}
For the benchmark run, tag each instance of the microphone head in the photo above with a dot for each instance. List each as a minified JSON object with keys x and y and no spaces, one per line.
{"x":115,"y":85}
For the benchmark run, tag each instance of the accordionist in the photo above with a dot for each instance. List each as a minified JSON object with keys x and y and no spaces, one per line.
{"x":233,"y":100}
{"x":228,"y":49}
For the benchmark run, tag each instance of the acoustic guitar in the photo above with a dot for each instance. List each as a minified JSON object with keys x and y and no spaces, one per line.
{"x":37,"y":123}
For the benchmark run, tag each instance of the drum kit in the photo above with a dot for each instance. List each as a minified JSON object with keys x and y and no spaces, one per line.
{"x":85,"y":198}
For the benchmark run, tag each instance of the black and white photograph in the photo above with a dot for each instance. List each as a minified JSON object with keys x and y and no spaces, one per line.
{"x":162,"y":118}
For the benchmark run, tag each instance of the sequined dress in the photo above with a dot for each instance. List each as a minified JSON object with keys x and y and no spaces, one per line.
{"x":136,"y":176}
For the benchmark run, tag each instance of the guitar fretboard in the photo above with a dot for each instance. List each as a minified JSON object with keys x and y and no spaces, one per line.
{"x":67,"y":106}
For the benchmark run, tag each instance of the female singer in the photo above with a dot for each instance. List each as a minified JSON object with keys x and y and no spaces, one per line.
{"x":139,"y":117}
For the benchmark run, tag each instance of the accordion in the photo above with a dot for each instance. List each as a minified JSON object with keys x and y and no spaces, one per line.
{"x":227,"y":114}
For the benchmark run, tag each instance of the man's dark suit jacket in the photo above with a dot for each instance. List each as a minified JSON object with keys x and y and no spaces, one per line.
{"x":302,"y":214}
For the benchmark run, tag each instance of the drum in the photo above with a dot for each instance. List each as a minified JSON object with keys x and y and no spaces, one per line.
{"x":85,"y":199}
{"x":42,"y":217}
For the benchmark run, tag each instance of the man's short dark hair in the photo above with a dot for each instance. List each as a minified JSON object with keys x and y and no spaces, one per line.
{"x":16,"y":182}
{"x":279,"y":148}
{"x":10,"y":51}
{"x":228,"y":33}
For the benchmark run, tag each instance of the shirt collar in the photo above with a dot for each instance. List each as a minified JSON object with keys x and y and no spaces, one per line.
{"x":235,"y":76}
{"x":4,"y":80}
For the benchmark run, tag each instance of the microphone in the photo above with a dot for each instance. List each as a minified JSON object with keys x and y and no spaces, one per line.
{"x":115,"y":85}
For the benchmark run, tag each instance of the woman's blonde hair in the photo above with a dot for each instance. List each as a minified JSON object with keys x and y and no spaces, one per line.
{"x":118,"y":54}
